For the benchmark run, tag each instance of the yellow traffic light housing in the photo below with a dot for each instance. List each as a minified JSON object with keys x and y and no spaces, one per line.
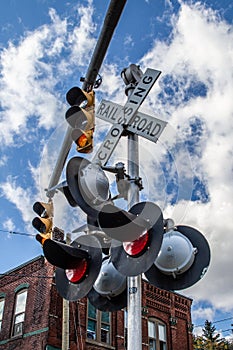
{"x":78,"y":97}
{"x":81,"y":117}
{"x":43,"y":223}
{"x":83,"y":140}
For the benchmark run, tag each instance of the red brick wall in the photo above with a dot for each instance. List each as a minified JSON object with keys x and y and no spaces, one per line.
{"x":172,"y":309}
{"x":43,"y":323}
{"x":38,"y":301}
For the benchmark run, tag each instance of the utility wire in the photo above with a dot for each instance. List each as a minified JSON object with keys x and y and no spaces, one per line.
{"x":224,"y":319}
{"x":227,"y":330}
{"x":18,"y":233}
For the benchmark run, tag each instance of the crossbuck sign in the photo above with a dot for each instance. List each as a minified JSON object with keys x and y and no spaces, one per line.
{"x":127,"y":117}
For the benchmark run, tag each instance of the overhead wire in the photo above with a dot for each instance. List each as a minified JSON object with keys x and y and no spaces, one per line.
{"x":18,"y":233}
{"x":218,"y":321}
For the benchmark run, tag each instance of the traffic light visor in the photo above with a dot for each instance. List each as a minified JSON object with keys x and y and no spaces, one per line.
{"x":88,"y":184}
{"x":134,"y":257}
{"x":42,"y":225}
{"x":76,"y":96}
{"x":44,"y":210}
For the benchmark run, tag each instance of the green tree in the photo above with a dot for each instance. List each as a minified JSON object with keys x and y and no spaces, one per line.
{"x":210,"y":339}
{"x":198,"y":342}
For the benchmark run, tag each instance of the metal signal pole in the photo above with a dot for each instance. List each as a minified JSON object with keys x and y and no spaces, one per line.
{"x":66,"y":315}
{"x":132,"y":76}
{"x":110,"y":22}
{"x":134,"y":341}
{"x":65,"y":325}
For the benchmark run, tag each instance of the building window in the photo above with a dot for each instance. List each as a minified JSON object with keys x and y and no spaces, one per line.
{"x":19,"y":313}
{"x":157,"y":335}
{"x":98,"y":325}
{"x":2,"y":303}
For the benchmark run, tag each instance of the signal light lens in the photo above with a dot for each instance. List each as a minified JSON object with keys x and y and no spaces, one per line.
{"x":77,"y":274}
{"x":42,"y":225}
{"x":138,"y":246}
{"x":82,"y":141}
{"x":42,"y":238}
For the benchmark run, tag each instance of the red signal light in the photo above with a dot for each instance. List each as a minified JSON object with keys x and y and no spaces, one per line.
{"x":138,"y":246}
{"x":77,"y":274}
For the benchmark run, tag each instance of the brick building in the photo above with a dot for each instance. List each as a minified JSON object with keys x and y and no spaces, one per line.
{"x":31,"y":316}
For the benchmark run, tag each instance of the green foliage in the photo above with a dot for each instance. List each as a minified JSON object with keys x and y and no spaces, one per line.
{"x":210,"y":339}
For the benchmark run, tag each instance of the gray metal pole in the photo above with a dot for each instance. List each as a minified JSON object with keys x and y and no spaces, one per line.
{"x":111,"y":19}
{"x":66,"y":315}
{"x":134,"y":341}
{"x":65,"y":325}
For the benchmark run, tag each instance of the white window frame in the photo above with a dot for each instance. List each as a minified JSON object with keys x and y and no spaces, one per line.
{"x":2,"y":305}
{"x":101,"y":327}
{"x":157,"y":334}
{"x":19,"y":313}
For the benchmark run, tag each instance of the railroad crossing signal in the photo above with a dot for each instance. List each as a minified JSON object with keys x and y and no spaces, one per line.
{"x":134,"y":257}
{"x":182,"y":261}
{"x":78,"y":265}
{"x":81,"y":117}
{"x":81,"y":271}
{"x":87,"y":184}
{"x":138,"y":239}
{"x":126,"y":115}
{"x":109,"y":290}
{"x":141,"y":124}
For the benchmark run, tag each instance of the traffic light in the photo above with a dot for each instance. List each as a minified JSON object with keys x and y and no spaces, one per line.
{"x":88,"y":185}
{"x":78,"y":265}
{"x":182,"y":261}
{"x":109,"y":291}
{"x":43,"y":223}
{"x":81,"y":117}
{"x":134,"y":257}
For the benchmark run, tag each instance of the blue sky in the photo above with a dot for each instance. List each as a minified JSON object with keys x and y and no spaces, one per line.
{"x":45,"y":47}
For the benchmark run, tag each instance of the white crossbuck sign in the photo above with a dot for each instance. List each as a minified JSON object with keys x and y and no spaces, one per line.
{"x":127,"y":117}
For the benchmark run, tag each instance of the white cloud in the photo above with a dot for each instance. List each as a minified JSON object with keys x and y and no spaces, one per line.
{"x":201,"y":47}
{"x":3,"y":160}
{"x":20,"y":197}
{"x":9,"y":225}
{"x":81,"y":39}
{"x":27,"y":83}
{"x":199,"y":50}
{"x":30,"y":73}
{"x":207,"y":313}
